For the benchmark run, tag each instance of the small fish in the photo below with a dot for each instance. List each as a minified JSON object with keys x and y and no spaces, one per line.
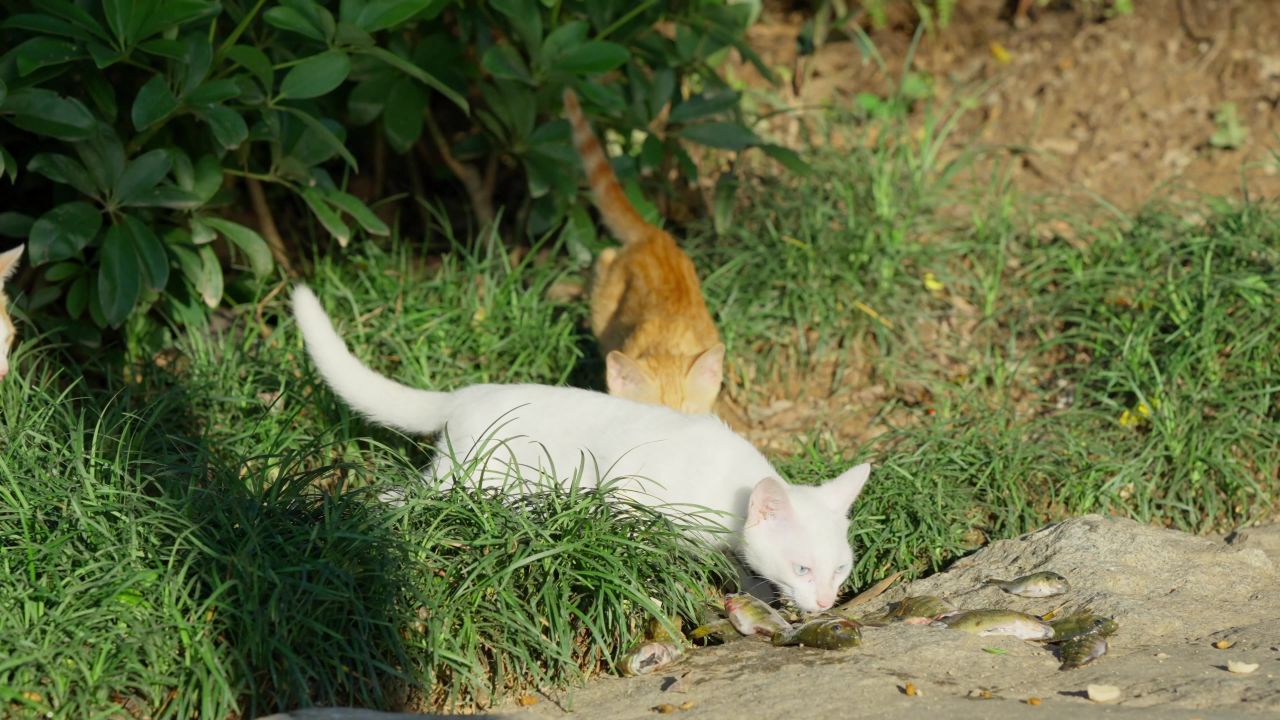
{"x":998,"y":622}
{"x":1082,"y":650}
{"x":917,"y":610}
{"x":720,"y":627}
{"x":826,"y":632}
{"x":751,"y":616}
{"x":1036,"y":585}
{"x":649,"y":656}
{"x":1081,"y":624}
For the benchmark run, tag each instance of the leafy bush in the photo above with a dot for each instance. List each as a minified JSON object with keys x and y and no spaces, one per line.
{"x":124,"y":126}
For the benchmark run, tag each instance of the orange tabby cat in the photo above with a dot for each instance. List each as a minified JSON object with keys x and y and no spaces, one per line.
{"x":647,"y":309}
{"x":8,"y":263}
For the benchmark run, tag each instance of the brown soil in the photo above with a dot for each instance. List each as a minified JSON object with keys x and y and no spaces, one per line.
{"x":1121,"y":110}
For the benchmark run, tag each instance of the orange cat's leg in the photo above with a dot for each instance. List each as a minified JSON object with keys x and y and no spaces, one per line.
{"x":606,"y":292}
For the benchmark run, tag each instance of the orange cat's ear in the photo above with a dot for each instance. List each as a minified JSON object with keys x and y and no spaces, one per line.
{"x":9,"y":262}
{"x":702,"y":382}
{"x":628,"y":379}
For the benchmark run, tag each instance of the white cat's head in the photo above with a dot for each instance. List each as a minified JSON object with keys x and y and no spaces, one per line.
{"x":797,"y":537}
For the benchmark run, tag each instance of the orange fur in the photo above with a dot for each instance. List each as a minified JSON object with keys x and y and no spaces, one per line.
{"x":647,"y":310}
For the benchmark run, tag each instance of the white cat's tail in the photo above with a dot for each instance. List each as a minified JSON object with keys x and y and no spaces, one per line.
{"x":378,"y":398}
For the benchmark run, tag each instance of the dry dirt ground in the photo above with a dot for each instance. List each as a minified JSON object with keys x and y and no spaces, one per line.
{"x":1121,"y":110}
{"x":1175,"y":596}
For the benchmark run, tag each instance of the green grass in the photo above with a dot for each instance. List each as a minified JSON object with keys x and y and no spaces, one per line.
{"x":204,"y":539}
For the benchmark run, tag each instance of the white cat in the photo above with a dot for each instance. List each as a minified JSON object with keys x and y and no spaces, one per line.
{"x":794,"y":536}
{"x":8,"y":264}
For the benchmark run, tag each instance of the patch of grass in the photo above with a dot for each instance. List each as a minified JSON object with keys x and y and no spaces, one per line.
{"x":205,"y":540}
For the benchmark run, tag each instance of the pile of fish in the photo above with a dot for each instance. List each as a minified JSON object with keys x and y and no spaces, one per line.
{"x":1079,"y":638}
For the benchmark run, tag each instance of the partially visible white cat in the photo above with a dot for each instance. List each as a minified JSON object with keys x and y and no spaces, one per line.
{"x":796,"y":537}
{"x":8,"y":264}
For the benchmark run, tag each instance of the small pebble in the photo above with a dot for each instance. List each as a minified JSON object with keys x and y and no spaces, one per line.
{"x":526,"y":700}
{"x":665,"y":709}
{"x":910,"y":690}
{"x":1103,"y":693}
{"x":1223,"y":644}
{"x":981,"y":694}
{"x":686,"y":705}
{"x":1161,"y":656}
{"x":1241,"y":668}
{"x":1033,"y":701}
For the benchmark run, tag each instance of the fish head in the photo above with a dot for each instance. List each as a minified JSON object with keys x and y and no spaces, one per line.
{"x":797,"y":537}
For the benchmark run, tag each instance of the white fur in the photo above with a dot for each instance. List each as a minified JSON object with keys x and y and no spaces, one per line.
{"x":8,"y":264}
{"x":666,"y":459}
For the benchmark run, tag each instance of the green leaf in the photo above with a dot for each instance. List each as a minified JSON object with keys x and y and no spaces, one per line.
{"x":327,"y":217}
{"x":289,"y":19}
{"x":47,"y":25}
{"x":141,"y":175}
{"x":214,"y":91}
{"x":525,"y":17}
{"x":504,"y":61}
{"x":789,"y":158}
{"x":4,"y":90}
{"x":590,"y":58}
{"x":167,"y":196}
{"x":255,"y":61}
{"x":209,"y":281}
{"x":42,"y":52}
{"x":74,"y":15}
{"x":249,"y":242}
{"x":119,"y":276}
{"x":63,"y":232}
{"x":208,"y":178}
{"x":15,"y":224}
{"x":728,"y":136}
{"x":44,"y":112}
{"x":418,"y":74}
{"x":228,"y":127}
{"x":61,"y":271}
{"x":567,"y":36}
{"x":351,"y":205}
{"x":176,"y":13}
{"x":101,"y":92}
{"x":201,"y":234}
{"x":197,"y":57}
{"x":154,"y":103}
{"x":151,"y":254}
{"x":382,"y":14}
{"x":103,"y":156}
{"x":62,"y":169}
{"x":701,"y":106}
{"x":324,"y":133}
{"x":317,"y":75}
{"x":119,"y":14}
{"x":78,"y":296}
{"x":103,"y":56}
{"x":366,"y":101}
{"x":402,"y":116}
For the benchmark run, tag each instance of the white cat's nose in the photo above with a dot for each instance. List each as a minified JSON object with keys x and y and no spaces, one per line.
{"x":824,"y":604}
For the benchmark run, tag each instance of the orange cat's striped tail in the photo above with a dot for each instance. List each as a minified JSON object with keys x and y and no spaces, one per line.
{"x":618,"y":213}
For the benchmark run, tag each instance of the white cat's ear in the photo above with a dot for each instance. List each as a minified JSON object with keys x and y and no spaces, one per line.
{"x":702,"y":382}
{"x":9,"y":262}
{"x":769,"y":503}
{"x":626,"y":378}
{"x":846,"y":487}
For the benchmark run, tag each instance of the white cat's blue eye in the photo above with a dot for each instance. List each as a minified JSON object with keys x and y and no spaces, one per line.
{"x":841,"y":570}
{"x":802,"y":570}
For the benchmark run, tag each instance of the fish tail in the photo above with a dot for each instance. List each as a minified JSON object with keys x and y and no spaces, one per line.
{"x":622,"y":218}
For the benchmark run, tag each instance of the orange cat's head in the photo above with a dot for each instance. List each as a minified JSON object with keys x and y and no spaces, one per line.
{"x":8,"y":263}
{"x":688,"y":384}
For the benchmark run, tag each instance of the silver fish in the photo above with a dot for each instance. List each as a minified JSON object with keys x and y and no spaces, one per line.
{"x":752,"y":616}
{"x":1036,"y":585}
{"x":998,"y":622}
